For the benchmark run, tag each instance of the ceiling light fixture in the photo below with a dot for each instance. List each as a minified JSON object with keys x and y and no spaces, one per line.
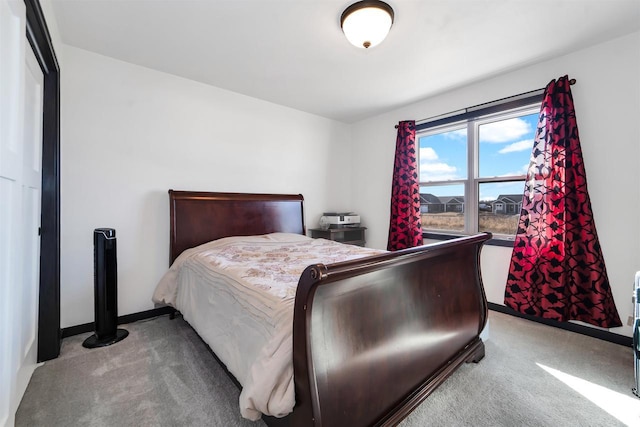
{"x":367,"y":23}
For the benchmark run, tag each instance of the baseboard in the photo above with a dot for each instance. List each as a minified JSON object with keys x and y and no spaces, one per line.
{"x":580,"y":329}
{"x":568,"y":326}
{"x":127,"y":318}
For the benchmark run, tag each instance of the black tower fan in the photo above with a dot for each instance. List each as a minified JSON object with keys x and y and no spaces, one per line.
{"x":105,"y":290}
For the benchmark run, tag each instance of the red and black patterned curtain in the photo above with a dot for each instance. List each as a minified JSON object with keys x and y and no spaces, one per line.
{"x":405,"y":229}
{"x":557,"y":269}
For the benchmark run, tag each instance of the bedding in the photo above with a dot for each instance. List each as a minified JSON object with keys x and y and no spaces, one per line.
{"x":238,"y":294}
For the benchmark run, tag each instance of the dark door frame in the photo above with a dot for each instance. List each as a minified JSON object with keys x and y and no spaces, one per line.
{"x":49,"y":332}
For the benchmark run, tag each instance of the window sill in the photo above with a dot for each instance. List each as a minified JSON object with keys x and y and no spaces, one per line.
{"x":506,"y":242}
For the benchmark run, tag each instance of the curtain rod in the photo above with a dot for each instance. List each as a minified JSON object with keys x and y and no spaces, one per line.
{"x":475,"y":107}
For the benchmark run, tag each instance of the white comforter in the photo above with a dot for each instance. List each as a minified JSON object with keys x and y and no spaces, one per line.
{"x":238,"y":294}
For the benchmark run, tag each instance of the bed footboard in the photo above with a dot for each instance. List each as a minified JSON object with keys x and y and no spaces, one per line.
{"x":374,"y":337}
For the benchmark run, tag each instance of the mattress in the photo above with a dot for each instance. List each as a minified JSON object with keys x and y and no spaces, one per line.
{"x":238,"y":294}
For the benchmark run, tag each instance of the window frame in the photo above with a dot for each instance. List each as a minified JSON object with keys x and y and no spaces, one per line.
{"x":473,"y":118}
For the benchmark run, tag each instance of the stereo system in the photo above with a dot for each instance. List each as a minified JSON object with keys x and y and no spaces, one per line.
{"x":342,"y":219}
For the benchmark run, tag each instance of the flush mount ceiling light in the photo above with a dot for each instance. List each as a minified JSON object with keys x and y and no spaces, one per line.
{"x":366,"y":23}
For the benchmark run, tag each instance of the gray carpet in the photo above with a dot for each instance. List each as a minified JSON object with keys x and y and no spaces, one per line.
{"x":163,"y":375}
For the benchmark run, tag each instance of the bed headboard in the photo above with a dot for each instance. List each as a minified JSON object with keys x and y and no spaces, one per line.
{"x":199,"y":217}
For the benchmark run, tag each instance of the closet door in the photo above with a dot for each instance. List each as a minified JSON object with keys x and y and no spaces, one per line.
{"x":21,"y":108}
{"x":30,"y":216}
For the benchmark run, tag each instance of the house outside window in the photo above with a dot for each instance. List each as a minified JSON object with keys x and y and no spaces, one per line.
{"x":473,"y":168}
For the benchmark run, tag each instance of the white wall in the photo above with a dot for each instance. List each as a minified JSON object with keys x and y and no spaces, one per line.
{"x":130,"y":133}
{"x":607,"y":102}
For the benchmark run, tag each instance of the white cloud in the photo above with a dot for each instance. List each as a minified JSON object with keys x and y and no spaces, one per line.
{"x":439,"y":168}
{"x":456,"y":134}
{"x":427,"y":154}
{"x":523,"y":171}
{"x":504,"y":131}
{"x":437,"y":172}
{"x":433,"y":170}
{"x":524,"y":145}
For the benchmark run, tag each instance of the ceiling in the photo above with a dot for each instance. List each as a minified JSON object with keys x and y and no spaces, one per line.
{"x":293,"y":52}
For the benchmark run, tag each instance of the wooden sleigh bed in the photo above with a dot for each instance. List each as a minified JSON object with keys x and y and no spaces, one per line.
{"x":372,"y":337}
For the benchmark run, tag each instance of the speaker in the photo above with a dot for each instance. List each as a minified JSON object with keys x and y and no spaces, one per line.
{"x":105,"y":267}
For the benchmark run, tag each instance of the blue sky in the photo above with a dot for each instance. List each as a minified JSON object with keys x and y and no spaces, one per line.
{"x":505,"y":149}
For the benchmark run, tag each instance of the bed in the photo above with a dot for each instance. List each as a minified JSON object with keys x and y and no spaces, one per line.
{"x":370,"y":337}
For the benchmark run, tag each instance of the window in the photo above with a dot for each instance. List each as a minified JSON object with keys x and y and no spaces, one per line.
{"x":473,"y":169}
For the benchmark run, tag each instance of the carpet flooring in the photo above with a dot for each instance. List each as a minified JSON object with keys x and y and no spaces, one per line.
{"x":164,"y":375}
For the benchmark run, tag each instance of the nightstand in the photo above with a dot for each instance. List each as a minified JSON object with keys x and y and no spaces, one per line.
{"x":349,"y":235}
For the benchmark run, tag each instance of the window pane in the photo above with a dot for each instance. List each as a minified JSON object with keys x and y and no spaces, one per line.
{"x":505,"y":146}
{"x":499,"y":206}
{"x":442,"y":207}
{"x":443,"y":156}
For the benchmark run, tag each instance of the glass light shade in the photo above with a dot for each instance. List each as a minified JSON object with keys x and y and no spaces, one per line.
{"x":367,"y":26}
